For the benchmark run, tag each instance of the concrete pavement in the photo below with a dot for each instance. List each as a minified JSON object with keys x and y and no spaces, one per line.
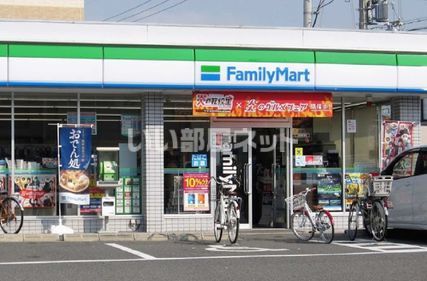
{"x":137,"y":236}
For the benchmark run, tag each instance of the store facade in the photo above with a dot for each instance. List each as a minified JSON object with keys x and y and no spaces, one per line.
{"x":168,"y":107}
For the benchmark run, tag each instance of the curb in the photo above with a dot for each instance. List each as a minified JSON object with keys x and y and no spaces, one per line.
{"x":104,"y":237}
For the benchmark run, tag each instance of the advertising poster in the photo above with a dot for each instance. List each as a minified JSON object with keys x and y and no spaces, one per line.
{"x":241,"y":104}
{"x":36,"y":191}
{"x":76,"y":145}
{"x":94,"y":206}
{"x":397,"y":137}
{"x":3,"y":186}
{"x":196,"y":191}
{"x":355,"y":185}
{"x":329,"y":191}
{"x":130,"y":124}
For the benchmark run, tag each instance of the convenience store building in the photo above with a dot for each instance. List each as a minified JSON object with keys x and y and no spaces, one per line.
{"x":279,"y":109}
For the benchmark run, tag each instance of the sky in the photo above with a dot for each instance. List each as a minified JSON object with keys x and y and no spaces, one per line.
{"x":342,"y":14}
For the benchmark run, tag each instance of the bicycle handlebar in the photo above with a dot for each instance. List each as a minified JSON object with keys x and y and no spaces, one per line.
{"x":307,"y":190}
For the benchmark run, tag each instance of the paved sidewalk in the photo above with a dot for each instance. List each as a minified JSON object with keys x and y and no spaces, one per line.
{"x":140,"y":236}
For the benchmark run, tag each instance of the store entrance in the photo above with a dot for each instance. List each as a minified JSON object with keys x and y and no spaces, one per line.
{"x":260,"y":157}
{"x":269,"y":178}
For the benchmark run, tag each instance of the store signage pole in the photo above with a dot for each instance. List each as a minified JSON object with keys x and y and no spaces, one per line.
{"x":60,"y":229}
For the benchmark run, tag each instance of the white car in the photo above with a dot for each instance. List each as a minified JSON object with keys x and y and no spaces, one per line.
{"x":409,"y":189}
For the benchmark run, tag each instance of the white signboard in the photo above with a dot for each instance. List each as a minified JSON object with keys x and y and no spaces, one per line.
{"x":153,"y":73}
{"x":412,"y":78}
{"x":72,"y":198}
{"x":3,"y":70}
{"x":351,"y":126}
{"x":84,"y":72}
{"x":348,"y":77}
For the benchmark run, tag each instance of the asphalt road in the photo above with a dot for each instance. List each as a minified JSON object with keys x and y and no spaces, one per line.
{"x":259,"y":255}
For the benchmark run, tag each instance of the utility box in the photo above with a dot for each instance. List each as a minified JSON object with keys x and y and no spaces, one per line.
{"x":381,"y":12}
{"x":108,"y":207}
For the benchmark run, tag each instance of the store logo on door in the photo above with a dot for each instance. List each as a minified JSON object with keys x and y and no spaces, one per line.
{"x":229,"y":168}
{"x":210,"y":73}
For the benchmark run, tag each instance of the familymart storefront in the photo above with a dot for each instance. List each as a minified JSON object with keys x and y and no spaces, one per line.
{"x":166,"y":114}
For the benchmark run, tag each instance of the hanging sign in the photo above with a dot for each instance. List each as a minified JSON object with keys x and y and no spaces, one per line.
{"x":278,"y":105}
{"x":76,"y":144}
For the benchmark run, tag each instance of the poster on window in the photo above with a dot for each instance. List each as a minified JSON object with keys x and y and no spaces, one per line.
{"x":3,"y":183}
{"x":131,"y":125}
{"x":329,"y":191}
{"x":355,"y":185}
{"x":196,"y":191}
{"x":397,"y":137}
{"x":36,"y":191}
{"x":95,"y":197}
{"x":75,"y":152}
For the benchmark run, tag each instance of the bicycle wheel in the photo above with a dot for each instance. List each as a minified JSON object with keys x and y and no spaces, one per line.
{"x":233,"y":223}
{"x":325,"y":227}
{"x":12,"y":215}
{"x":217,"y":223}
{"x":302,"y":226}
{"x":353,"y":220}
{"x":378,"y":221}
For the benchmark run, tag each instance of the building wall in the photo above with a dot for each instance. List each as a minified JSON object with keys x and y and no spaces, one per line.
{"x":153,"y":165}
{"x":72,"y":10}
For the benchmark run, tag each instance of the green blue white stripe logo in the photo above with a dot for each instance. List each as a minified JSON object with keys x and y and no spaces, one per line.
{"x":210,"y":73}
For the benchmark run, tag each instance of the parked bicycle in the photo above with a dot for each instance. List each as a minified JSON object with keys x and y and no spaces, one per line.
{"x":227,"y":214}
{"x":372,"y":207}
{"x":305,"y":222}
{"x":11,"y":214}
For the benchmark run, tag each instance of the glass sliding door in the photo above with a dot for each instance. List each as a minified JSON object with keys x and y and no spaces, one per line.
{"x":231,"y":156}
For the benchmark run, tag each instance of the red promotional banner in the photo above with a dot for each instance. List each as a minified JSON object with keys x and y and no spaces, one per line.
{"x":262,"y":104}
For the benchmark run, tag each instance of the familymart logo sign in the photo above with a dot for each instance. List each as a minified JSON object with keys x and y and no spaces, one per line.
{"x":257,"y":74}
{"x":211,"y":73}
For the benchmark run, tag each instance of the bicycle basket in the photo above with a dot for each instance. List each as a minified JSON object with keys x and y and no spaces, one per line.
{"x":298,"y":201}
{"x":380,"y":186}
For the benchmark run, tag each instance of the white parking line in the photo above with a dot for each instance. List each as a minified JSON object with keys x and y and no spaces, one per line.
{"x":131,"y":251}
{"x":51,"y":262}
{"x":187,"y":258}
{"x":384,"y":247}
{"x":241,"y":249}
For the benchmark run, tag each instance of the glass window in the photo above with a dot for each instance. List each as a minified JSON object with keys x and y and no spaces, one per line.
{"x":405,"y":167}
{"x":186,"y":159}
{"x":116,"y":124}
{"x":361,"y":147}
{"x":5,"y":128}
{"x":36,"y":116}
{"x":317,"y":159}
{"x":423,"y":163}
